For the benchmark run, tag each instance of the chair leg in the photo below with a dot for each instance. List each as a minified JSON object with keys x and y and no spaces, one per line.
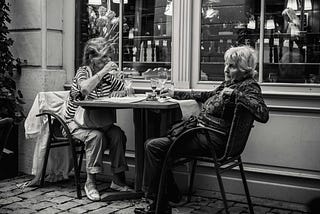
{"x":76,"y":171}
{"x":223,"y":194}
{"x":245,"y":185}
{"x":45,"y":162}
{"x":192,"y":173}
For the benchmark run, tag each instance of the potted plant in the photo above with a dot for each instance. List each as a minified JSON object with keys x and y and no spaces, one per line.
{"x":10,"y":98}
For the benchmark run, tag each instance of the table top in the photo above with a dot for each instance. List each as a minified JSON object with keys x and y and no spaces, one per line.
{"x":127,"y":105}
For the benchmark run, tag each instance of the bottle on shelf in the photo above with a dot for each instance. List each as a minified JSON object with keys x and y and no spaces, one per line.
{"x":134,"y":54}
{"x":142,"y":52}
{"x":149,"y":51}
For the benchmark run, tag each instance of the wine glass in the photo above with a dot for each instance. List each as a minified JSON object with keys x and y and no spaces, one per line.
{"x":163,"y":77}
{"x":128,"y":86}
{"x":154,"y":83}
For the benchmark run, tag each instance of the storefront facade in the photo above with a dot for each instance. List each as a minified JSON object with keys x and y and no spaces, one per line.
{"x":188,"y":39}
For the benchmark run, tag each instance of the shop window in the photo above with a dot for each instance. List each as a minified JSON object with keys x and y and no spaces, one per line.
{"x":145,"y":38}
{"x":224,"y":24}
{"x":291,"y":41}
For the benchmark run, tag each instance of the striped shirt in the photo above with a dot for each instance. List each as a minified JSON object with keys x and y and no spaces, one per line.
{"x":107,"y":85}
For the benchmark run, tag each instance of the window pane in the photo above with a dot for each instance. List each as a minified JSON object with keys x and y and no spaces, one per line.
{"x":147,"y":34}
{"x":225,"y":23}
{"x":292,"y":41}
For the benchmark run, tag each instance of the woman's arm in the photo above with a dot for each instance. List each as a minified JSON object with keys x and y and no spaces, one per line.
{"x":89,"y":83}
{"x":250,"y":95}
{"x":199,"y":96}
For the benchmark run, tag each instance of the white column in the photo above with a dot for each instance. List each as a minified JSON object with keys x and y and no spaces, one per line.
{"x":181,"y":43}
{"x":43,"y":5}
{"x":68,"y":38}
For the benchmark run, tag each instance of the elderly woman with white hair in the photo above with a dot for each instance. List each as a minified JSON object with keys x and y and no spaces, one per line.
{"x":218,"y":105}
{"x":94,"y":80}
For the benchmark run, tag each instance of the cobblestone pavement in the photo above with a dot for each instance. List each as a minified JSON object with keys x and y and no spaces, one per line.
{"x":60,"y":198}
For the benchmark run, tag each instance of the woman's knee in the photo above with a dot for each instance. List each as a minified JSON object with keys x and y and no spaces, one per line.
{"x":96,"y":136}
{"x":115,"y":133}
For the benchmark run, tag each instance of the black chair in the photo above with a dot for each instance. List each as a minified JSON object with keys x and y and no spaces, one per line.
{"x":56,"y":139}
{"x":242,"y":123}
{"x":5,"y":129}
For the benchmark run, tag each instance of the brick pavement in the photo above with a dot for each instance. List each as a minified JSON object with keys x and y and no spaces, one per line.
{"x":60,"y":198}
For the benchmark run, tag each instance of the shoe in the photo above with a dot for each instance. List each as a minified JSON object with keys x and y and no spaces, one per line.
{"x":91,"y":192}
{"x":151,"y":209}
{"x":119,"y":188}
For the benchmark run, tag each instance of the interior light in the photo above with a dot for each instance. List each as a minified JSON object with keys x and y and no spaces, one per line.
{"x":94,"y":2}
{"x":118,"y":1}
{"x":270,"y":24}
{"x":307,"y":5}
{"x":168,"y":11}
{"x":292,"y":4}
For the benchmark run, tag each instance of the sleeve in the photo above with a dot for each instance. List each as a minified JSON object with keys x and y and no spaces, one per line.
{"x":250,"y":95}
{"x":116,"y":84}
{"x":75,"y":92}
{"x":199,"y":96}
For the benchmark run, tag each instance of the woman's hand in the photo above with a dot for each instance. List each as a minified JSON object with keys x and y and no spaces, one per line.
{"x":110,"y":66}
{"x":118,"y":94}
{"x":226,"y":91}
{"x":167,"y":92}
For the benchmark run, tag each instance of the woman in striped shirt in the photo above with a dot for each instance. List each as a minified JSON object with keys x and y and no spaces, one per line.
{"x":93,"y":80}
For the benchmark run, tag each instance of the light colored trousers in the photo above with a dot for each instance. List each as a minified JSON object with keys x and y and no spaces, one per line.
{"x":97,"y":141}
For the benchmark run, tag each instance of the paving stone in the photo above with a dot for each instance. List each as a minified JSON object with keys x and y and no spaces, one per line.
{"x":66,"y":206}
{"x":18,"y":205}
{"x":31,"y":194}
{"x":260,"y":209}
{"x":237,"y":210}
{"x":61,"y":199}
{"x":10,"y":200}
{"x":53,"y":194}
{"x":78,"y":210}
{"x":280,"y":211}
{"x":104,"y":210}
{"x":49,"y":210}
{"x":42,"y":205}
{"x":205,"y":210}
{"x":94,"y":206}
{"x":3,"y":211}
{"x":118,"y":205}
{"x":23,"y":211}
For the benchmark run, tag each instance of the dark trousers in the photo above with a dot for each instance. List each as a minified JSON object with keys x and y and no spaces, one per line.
{"x":156,"y":149}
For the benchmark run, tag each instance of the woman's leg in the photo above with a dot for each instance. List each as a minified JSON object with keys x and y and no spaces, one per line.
{"x":94,"y":147}
{"x":117,"y":143}
{"x":155,"y":151}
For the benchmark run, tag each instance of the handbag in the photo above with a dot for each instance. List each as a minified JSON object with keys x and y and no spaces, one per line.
{"x":180,"y":127}
{"x":94,"y":118}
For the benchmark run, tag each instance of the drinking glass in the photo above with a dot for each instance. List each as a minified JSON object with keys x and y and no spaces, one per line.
{"x":163,"y":77}
{"x":128,"y":86}
{"x":153,"y":84}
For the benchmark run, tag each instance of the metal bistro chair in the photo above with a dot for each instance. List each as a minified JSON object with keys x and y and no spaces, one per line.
{"x":242,"y":123}
{"x":56,"y":139}
{"x":5,"y":129}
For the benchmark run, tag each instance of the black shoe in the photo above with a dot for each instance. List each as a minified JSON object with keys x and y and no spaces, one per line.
{"x":151,"y":209}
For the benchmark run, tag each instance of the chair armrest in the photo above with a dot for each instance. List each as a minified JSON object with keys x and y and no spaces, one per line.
{"x":50,"y":115}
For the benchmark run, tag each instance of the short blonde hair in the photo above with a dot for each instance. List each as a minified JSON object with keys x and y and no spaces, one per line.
{"x":96,"y":47}
{"x":244,"y":57}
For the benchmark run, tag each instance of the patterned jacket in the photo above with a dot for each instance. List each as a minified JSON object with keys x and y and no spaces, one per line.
{"x":216,"y":107}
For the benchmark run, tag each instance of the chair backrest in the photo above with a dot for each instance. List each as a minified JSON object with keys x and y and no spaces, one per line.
{"x":5,"y":128}
{"x":242,"y":123}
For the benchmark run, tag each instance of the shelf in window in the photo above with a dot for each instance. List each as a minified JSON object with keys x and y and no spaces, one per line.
{"x":158,"y":63}
{"x":147,"y":37}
